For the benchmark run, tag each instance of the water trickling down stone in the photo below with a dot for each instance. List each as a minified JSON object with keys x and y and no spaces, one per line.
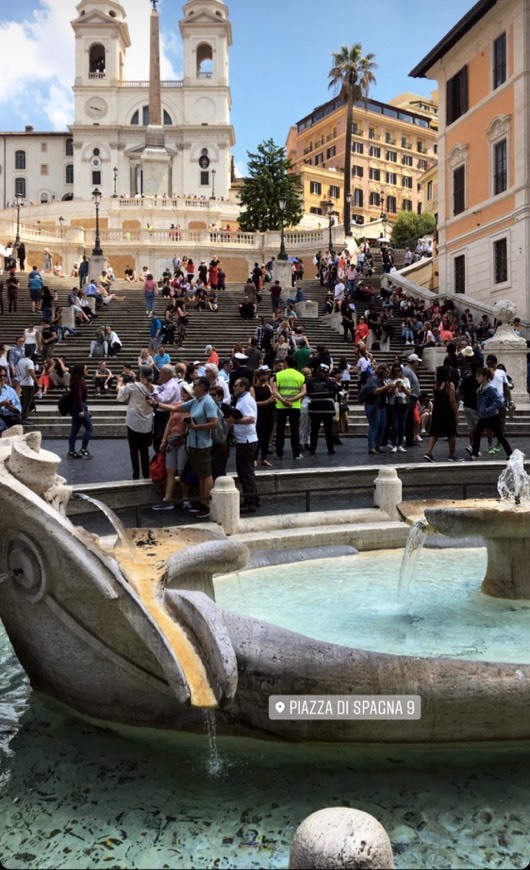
{"x":416,"y":539}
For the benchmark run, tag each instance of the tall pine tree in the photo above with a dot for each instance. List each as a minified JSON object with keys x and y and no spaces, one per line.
{"x":270,"y":178}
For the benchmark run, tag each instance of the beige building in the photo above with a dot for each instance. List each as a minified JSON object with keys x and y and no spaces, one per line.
{"x":482,"y":66}
{"x":393,"y":144}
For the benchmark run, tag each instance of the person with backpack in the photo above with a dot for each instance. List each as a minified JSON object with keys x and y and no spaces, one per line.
{"x":246,"y":439}
{"x":35,"y":285}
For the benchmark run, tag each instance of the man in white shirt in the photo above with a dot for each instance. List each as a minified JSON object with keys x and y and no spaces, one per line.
{"x":113,"y":341}
{"x":246,"y":444}
{"x":27,"y":380}
{"x":212,"y":373}
{"x":338,"y":294}
{"x":167,"y":390}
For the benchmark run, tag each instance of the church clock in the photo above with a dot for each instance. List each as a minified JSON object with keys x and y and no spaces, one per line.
{"x":96,"y":108}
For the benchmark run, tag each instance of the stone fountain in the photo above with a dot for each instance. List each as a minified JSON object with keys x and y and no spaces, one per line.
{"x":504,"y":525}
{"x":127,"y":634}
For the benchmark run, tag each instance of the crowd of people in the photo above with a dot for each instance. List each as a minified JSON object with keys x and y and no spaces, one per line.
{"x":197,"y":412}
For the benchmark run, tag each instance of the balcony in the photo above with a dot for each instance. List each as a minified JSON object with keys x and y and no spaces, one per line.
{"x":356,"y":131}
{"x":178,"y":83}
{"x":375,"y":137}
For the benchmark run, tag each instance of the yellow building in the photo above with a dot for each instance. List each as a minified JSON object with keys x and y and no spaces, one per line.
{"x":482,"y":68}
{"x":392,"y":145}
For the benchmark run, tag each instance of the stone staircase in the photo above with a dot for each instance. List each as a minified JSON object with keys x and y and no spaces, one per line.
{"x":222,"y":329}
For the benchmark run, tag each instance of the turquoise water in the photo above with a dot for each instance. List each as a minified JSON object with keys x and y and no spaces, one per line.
{"x":355,"y":601}
{"x":73,"y":796}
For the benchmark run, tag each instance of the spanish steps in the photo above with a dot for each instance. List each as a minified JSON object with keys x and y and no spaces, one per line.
{"x":222,"y":329}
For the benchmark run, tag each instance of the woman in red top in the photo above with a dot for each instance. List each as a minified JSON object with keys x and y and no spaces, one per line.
{"x":190,"y":270}
{"x":214,"y":274}
{"x":361,"y":330}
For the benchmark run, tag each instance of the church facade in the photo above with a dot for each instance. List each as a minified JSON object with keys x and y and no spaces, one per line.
{"x":134,"y":138}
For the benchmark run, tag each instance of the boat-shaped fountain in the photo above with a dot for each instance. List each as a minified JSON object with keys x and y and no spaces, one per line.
{"x":129,"y":634}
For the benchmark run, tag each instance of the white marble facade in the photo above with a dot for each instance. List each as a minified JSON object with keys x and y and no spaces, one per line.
{"x":111,"y":113}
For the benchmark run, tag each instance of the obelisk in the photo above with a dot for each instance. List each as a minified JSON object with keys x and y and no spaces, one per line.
{"x":155,"y":159}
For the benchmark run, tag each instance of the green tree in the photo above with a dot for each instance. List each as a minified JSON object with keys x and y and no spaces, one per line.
{"x":409,"y":226}
{"x":270,"y":178}
{"x":351,"y":76}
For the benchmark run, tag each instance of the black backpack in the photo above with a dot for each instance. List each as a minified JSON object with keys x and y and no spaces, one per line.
{"x":65,"y":404}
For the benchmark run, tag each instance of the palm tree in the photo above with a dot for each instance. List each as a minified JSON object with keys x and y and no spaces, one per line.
{"x":351,"y":76}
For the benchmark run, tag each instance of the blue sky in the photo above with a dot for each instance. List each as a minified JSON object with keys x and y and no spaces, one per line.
{"x":279,"y":60}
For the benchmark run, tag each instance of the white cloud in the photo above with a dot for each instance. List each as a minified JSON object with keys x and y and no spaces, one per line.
{"x":37,"y":61}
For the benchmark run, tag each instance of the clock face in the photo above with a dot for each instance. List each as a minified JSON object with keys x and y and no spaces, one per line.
{"x":95,"y":162}
{"x":96,"y":108}
{"x":204,"y":161}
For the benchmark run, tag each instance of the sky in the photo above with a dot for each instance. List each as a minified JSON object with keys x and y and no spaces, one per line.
{"x":279,"y":60}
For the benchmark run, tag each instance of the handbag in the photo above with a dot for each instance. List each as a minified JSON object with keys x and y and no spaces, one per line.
{"x":157,"y":468}
{"x":177,"y":439}
{"x":344,"y":407}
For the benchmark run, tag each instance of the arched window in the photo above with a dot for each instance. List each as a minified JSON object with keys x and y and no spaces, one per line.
{"x":204,"y":61}
{"x":20,"y":187}
{"x":69,"y":148}
{"x":69,"y":173}
{"x":135,"y":119}
{"x":44,"y":197}
{"x":97,"y":61}
{"x":20,"y":159}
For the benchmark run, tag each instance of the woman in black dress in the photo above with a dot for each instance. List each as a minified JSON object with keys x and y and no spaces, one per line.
{"x":444,"y":414}
{"x":262,"y":394}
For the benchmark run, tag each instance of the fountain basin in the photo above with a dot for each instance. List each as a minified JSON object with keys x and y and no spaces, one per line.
{"x":127,"y":641}
{"x":504,"y":528}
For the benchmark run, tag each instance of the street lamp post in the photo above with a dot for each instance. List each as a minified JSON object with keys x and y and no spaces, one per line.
{"x":115,"y":172}
{"x":283,"y":205}
{"x":97,"y":250}
{"x":329,"y":207}
{"x":213,"y":184}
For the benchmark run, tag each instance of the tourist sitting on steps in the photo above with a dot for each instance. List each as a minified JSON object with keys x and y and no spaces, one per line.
{"x":99,"y":345}
{"x":113,"y":341}
{"x":103,"y":378}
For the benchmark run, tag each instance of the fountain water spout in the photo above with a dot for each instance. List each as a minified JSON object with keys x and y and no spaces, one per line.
{"x":513,"y":485}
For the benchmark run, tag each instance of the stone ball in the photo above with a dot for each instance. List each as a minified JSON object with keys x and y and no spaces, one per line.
{"x":339,"y":837}
{"x":505,"y":310}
